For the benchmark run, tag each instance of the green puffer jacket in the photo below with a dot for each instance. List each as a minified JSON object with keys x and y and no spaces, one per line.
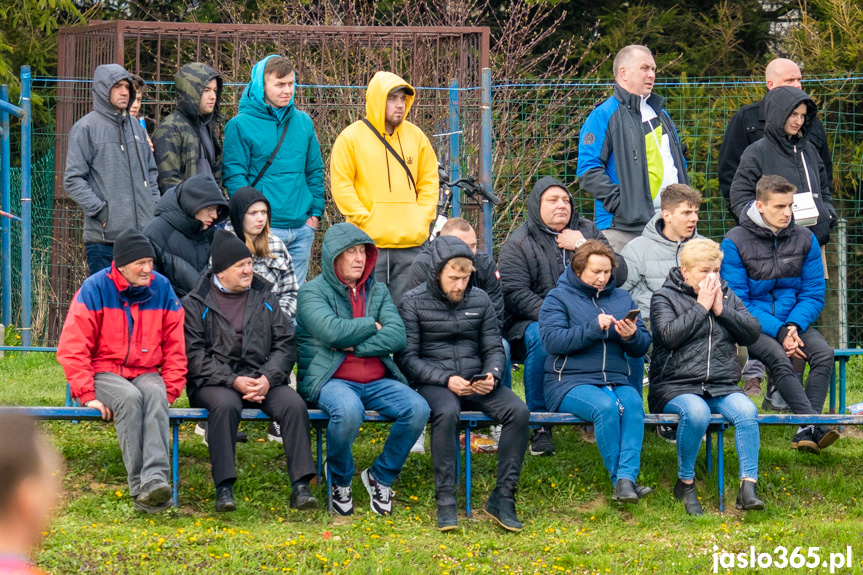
{"x":325,"y":321}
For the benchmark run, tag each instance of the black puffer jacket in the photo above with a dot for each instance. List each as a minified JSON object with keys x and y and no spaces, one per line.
{"x":182,"y":244}
{"x":530,"y":262}
{"x":795,"y":159}
{"x":695,"y":351}
{"x":445,"y":339}
{"x":269,"y":347}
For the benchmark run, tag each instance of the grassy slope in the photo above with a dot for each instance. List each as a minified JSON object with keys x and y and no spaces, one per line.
{"x":570,"y":523}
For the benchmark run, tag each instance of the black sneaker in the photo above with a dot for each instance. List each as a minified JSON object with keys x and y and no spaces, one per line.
{"x":668,"y":433}
{"x":343,"y":500}
{"x":541,"y":442}
{"x":302,"y":498}
{"x":501,"y":508}
{"x":824,"y":436}
{"x":154,"y":494}
{"x":225,"y":499}
{"x":152,"y":509}
{"x":274,"y":432}
{"x":805,"y":441}
{"x":380,"y":496}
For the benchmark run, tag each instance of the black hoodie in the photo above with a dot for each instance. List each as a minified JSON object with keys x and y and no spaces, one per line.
{"x":182,"y":244}
{"x":530,"y":263}
{"x":240,"y":203}
{"x":795,"y":158}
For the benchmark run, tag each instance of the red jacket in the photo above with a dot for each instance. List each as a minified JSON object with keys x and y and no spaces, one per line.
{"x":110,"y":328}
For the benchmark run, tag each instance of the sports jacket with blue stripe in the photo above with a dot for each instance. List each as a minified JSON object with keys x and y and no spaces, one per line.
{"x":613,"y":160}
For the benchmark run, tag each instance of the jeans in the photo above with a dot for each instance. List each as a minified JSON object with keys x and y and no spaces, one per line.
{"x":636,"y":372}
{"x":506,"y":377}
{"x":819,"y":355}
{"x":140,"y":411}
{"x":618,"y":436}
{"x":299,"y":243}
{"x":283,"y":404}
{"x":694,"y":412}
{"x":534,"y":369}
{"x":345,"y":403}
{"x":503,"y":406}
{"x":99,"y":257}
{"x":393,"y":267}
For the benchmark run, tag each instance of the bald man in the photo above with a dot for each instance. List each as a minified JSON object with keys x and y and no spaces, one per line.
{"x":747,"y":127}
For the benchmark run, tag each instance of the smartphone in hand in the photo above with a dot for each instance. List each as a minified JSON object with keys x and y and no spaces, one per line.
{"x":632,"y":315}
{"x":478,"y":377}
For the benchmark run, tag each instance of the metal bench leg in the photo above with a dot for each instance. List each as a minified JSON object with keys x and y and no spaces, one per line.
{"x":68,"y":395}
{"x":720,"y":466}
{"x":329,"y":481}
{"x":457,"y":460}
{"x":467,"y":482}
{"x":320,"y":444}
{"x":833,"y":390}
{"x":708,"y":449}
{"x":175,"y":462}
{"x":842,"y":365}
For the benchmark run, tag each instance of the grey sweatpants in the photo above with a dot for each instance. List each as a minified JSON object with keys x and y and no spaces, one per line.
{"x":140,"y":411}
{"x":393,"y":267}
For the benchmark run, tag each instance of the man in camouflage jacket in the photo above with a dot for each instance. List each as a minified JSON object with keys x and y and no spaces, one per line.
{"x":187,"y":141}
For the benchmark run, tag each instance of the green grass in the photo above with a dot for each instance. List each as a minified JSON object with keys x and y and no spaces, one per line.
{"x":570,"y":523}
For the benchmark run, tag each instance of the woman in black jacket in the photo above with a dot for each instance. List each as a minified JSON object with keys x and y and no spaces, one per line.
{"x":697,"y":324}
{"x":182,"y":231}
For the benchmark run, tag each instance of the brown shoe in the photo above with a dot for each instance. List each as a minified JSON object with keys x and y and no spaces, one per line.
{"x":752,"y":387}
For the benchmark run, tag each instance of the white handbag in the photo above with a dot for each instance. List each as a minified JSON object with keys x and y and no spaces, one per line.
{"x":804,"y":208}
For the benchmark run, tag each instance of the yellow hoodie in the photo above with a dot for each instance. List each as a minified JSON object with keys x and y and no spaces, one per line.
{"x":368,"y":184}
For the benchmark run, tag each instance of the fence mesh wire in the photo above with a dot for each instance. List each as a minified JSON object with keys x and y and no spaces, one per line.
{"x":535,"y":133}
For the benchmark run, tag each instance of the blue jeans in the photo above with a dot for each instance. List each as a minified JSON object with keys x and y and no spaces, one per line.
{"x":506,"y":377}
{"x":618,"y":436}
{"x":534,"y":369}
{"x":99,"y":257}
{"x":345,"y":403}
{"x":299,"y":243}
{"x":695,"y":413}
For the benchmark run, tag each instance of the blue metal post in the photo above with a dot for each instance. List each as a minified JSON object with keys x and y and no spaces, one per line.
{"x":720,"y":465}
{"x":454,"y":152}
{"x":175,"y":462}
{"x":26,"y":120}
{"x":708,"y":448}
{"x":485,"y":157}
{"x":5,"y":201}
{"x":468,"y":484}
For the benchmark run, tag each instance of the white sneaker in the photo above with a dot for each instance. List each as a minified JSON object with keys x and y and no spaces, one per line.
{"x":420,"y":445}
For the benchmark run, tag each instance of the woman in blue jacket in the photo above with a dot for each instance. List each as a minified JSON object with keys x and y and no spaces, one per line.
{"x":584,"y":330}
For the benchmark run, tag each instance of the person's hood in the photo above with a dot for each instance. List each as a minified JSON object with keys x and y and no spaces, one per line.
{"x":655,"y":231}
{"x":379,"y":88}
{"x":104,"y":79}
{"x":190,"y":82}
{"x":443,"y":249}
{"x":779,"y":103}
{"x":569,"y":278}
{"x":339,"y":238}
{"x":252,"y":100}
{"x":754,"y":221}
{"x":534,"y":199}
{"x":240,"y":203}
{"x":180,"y":204}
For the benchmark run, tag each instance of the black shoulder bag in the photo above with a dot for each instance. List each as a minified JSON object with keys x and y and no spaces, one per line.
{"x":393,"y":152}
{"x":272,"y":156}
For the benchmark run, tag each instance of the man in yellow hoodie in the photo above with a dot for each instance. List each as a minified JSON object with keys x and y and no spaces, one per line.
{"x":383,"y":174}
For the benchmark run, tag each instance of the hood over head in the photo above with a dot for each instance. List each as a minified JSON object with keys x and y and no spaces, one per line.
{"x":240,"y":203}
{"x":443,"y":249}
{"x":252,"y":100}
{"x":190,"y":82}
{"x":104,"y":79}
{"x":534,"y":199}
{"x":339,"y":238}
{"x":379,"y":88}
{"x":778,"y":105}
{"x":180,"y":204}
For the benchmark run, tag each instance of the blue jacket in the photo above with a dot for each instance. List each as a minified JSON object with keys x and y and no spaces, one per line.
{"x":612,"y":160}
{"x":579,"y":352}
{"x":780,"y":277}
{"x":294,"y":183}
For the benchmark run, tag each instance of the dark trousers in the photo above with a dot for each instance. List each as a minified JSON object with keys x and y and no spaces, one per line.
{"x":99,"y":257}
{"x":819,"y":355}
{"x":282,"y":403}
{"x":393,"y":267}
{"x":503,"y":406}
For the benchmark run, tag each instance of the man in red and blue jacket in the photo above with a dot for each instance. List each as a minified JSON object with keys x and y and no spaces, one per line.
{"x":124,"y":353}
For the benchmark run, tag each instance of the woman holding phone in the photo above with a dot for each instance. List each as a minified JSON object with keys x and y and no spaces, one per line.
{"x":584,"y":328}
{"x":697,"y":324}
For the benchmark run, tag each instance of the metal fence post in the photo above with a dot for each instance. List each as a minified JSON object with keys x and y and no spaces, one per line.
{"x":842,"y":253}
{"x":26,"y":120}
{"x":5,"y":205}
{"x":454,"y":151}
{"x":485,"y":161}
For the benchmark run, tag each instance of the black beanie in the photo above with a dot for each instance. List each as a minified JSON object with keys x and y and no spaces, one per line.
{"x":227,"y":249}
{"x":130,"y":246}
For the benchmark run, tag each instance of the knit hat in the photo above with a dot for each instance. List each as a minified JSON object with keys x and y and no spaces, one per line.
{"x":227,"y":249}
{"x":130,"y":246}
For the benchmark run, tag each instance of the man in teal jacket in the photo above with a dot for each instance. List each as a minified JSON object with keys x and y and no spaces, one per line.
{"x":294,"y":182}
{"x":347,"y":329}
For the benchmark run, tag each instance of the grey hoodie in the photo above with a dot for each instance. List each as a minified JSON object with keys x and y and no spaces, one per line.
{"x":649,"y":258}
{"x":110,"y":171}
